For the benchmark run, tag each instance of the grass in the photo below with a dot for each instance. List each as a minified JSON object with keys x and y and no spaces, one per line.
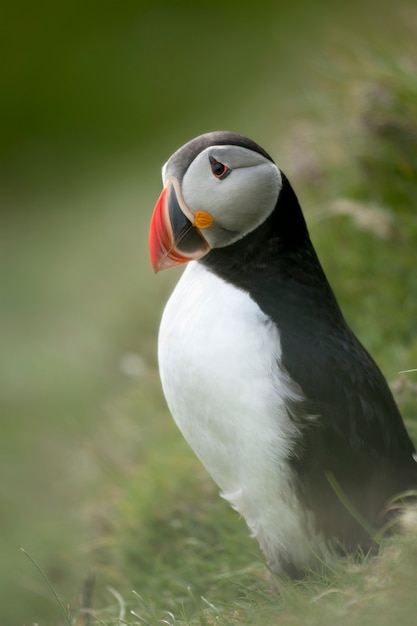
{"x":101,"y":491}
{"x":369,"y":591}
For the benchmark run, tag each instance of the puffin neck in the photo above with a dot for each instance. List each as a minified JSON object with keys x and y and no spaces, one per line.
{"x":278,"y":266}
{"x":269,"y":247}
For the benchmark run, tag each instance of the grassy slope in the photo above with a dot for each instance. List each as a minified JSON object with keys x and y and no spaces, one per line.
{"x":104,"y":480}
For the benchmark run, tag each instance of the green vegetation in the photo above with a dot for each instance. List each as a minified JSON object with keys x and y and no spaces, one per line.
{"x":98,"y":486}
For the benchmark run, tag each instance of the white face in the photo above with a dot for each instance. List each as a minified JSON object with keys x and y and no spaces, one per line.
{"x":240,"y":201}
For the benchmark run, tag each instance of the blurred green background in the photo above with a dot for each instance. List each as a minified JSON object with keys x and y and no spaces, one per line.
{"x":95,"y":96}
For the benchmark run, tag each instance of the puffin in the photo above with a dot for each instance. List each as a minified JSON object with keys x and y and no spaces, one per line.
{"x":276,"y":396}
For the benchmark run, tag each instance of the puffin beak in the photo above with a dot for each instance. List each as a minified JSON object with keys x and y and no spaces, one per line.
{"x":175,"y":236}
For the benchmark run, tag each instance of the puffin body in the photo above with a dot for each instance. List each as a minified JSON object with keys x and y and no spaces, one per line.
{"x":219,"y":358}
{"x":276,"y":396}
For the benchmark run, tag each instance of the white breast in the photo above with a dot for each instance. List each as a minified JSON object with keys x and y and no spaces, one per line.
{"x":219,"y":358}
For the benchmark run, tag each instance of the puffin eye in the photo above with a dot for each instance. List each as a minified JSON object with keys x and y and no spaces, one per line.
{"x":218,"y":169}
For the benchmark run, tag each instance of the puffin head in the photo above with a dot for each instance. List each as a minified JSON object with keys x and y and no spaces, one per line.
{"x":218,"y":188}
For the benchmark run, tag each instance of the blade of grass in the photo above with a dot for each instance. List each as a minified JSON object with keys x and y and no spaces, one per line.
{"x":348,"y":505}
{"x":64,"y":611}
